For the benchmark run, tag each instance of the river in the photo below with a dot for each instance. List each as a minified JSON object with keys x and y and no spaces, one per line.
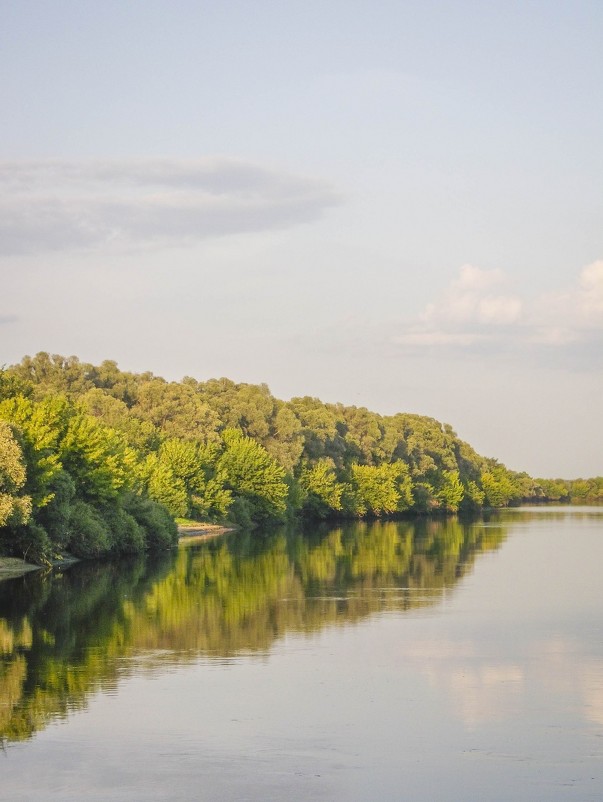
{"x":429,"y":660}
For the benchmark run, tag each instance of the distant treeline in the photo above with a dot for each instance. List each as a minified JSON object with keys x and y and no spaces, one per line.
{"x":570,"y":491}
{"x":95,"y":460}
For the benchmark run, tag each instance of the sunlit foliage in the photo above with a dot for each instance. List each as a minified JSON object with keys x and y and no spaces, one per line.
{"x":91,"y":436}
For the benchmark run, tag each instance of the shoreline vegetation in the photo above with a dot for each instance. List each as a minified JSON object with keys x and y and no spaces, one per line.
{"x":95,"y":462}
{"x":192,"y":531}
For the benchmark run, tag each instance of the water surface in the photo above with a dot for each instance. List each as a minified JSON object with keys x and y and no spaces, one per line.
{"x":426,"y":661}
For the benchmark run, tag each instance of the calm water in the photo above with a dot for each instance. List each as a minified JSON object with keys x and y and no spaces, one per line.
{"x":392,"y":661}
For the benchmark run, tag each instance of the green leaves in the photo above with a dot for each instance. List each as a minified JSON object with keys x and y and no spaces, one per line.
{"x":498,"y":487}
{"x":97,"y":458}
{"x":15,"y":507}
{"x":248,"y":470}
{"x":382,"y":489}
{"x":323,"y":490}
{"x":62,"y":466}
{"x":207,"y":450}
{"x":183,"y":477}
{"x":451,"y":491}
{"x":41,"y":426}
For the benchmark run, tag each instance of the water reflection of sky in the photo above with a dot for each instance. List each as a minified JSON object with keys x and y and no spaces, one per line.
{"x":525,"y":631}
{"x":491,"y":691}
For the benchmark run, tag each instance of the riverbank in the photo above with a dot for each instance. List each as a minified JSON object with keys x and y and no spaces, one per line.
{"x":13,"y":566}
{"x":202,"y":531}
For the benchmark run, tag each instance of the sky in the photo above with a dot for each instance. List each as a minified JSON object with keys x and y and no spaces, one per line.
{"x":392,"y":204}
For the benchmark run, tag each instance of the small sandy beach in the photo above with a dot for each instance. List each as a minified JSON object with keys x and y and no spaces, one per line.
{"x":202,"y":531}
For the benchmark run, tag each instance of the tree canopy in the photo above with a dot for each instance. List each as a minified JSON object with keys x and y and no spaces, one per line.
{"x":97,"y":460}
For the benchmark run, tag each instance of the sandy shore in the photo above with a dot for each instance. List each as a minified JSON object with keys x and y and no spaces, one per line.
{"x":203,"y":531}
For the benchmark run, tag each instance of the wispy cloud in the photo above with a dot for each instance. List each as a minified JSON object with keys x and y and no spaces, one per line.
{"x":478,"y":312}
{"x":574,"y":315}
{"x":46,"y":206}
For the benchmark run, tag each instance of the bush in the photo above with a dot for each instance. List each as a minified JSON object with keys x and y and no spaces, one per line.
{"x":55,"y":516}
{"x":241,"y":513}
{"x":127,"y":536}
{"x":31,"y":542}
{"x":88,"y":533}
{"x":159,"y":528}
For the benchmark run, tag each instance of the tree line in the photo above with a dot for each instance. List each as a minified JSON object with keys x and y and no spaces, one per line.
{"x":95,"y":460}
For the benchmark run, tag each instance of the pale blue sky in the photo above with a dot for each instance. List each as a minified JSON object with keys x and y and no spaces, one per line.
{"x":389,"y":204}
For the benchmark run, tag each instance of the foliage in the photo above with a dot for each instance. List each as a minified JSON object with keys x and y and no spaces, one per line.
{"x":64,"y":479}
{"x":564,"y":490}
{"x":78,"y":442}
{"x":158,"y":526}
{"x":41,"y":426}
{"x":498,"y":487}
{"x":321,"y":488}
{"x":451,"y":491}
{"x":15,"y":507}
{"x":473,"y":497}
{"x":381,"y":489}
{"x":251,"y":473}
{"x":88,"y":533}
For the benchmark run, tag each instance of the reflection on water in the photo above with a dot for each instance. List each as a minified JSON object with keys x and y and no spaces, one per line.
{"x":386,"y":661}
{"x":67,"y":634}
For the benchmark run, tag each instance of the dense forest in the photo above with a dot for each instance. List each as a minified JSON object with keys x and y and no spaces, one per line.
{"x":95,"y":460}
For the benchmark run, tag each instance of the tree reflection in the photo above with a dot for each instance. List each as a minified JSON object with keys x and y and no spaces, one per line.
{"x":65,"y":635}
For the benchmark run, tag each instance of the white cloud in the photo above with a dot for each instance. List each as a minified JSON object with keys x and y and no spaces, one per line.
{"x":499,"y":311}
{"x":477,"y":312}
{"x":571,"y":314}
{"x":46,"y":206}
{"x":474,"y":298}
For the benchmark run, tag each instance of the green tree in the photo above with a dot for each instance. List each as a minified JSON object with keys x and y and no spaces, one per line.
{"x":247,"y":469}
{"x":97,"y":458}
{"x":77,"y":473}
{"x":322,"y":430}
{"x":382,"y":489}
{"x":451,"y":491}
{"x":115,"y":414}
{"x":176,"y":410}
{"x":473,"y":498}
{"x":15,"y":507}
{"x":323,"y":491}
{"x":42,"y":425}
{"x":55,"y":374}
{"x":285,"y":441}
{"x":165,"y":487}
{"x":499,"y":489}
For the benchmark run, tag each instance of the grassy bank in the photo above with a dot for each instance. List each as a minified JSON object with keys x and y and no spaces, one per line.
{"x":12,"y":566}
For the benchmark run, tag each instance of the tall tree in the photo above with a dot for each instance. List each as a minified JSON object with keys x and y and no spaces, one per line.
{"x":250,"y":472}
{"x":15,"y":507}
